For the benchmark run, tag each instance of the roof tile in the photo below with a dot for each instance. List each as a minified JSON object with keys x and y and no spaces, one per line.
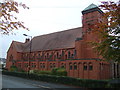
{"x":57,"y":40}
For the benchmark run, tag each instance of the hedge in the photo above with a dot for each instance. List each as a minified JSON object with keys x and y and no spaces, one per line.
{"x":41,"y":72}
{"x":59,"y":71}
{"x":61,"y":79}
{"x":54,"y":71}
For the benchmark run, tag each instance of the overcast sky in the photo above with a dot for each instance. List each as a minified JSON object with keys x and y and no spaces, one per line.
{"x":46,"y":16}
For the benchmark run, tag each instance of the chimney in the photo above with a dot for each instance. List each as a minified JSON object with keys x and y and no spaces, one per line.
{"x":27,"y":40}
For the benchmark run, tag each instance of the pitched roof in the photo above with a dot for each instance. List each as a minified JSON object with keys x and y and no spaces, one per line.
{"x":18,"y":46}
{"x":57,"y":40}
{"x":91,"y":6}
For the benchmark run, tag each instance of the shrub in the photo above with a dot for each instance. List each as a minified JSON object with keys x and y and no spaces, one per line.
{"x":21,"y":70}
{"x":35,"y":71}
{"x":13,"y":69}
{"x":41,"y":72}
{"x":45,"y":72}
{"x":55,"y":71}
{"x":59,"y":71}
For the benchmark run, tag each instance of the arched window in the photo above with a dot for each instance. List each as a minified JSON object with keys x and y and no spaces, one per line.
{"x":70,"y":66}
{"x":43,"y":65}
{"x":51,"y":65}
{"x":75,"y":66}
{"x":33,"y":65}
{"x":72,"y":56}
{"x":69,"y":54}
{"x":47,"y":55}
{"x":39,"y":57}
{"x":85,"y":66}
{"x":63,"y":53}
{"x":90,"y":66}
{"x":57,"y":54}
{"x":65,"y":57}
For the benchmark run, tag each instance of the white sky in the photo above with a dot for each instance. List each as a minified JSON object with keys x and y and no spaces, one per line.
{"x":46,"y":16}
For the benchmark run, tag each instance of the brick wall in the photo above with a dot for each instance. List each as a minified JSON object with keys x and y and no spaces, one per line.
{"x":80,"y":61}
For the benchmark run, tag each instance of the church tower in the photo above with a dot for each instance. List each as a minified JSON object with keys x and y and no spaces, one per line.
{"x":91,"y":15}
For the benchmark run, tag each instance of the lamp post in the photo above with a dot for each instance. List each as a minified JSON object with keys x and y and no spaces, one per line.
{"x":30,"y":51}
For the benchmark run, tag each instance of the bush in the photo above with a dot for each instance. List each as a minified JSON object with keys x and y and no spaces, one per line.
{"x":55,"y":71}
{"x":41,"y":72}
{"x":13,"y":69}
{"x":21,"y":70}
{"x":59,"y":71}
{"x":35,"y":71}
{"x":45,"y":72}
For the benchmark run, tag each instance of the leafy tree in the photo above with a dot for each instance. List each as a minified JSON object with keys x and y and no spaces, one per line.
{"x":8,"y":20}
{"x":108,"y":30}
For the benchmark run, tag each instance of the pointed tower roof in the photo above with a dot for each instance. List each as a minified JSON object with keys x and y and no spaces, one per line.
{"x":92,"y":7}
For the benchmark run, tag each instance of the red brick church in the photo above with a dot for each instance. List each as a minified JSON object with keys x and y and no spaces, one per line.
{"x":66,"y":49}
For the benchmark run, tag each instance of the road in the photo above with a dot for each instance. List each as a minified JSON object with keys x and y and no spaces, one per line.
{"x":16,"y":82}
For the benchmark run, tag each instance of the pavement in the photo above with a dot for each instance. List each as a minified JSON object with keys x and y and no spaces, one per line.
{"x":10,"y":82}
